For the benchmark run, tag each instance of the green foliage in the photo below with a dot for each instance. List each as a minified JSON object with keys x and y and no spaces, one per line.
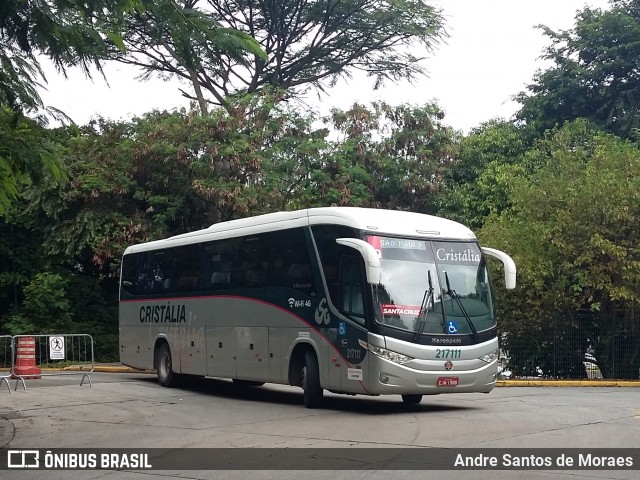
{"x":572,"y":230}
{"x":479,"y":183}
{"x":19,"y":74}
{"x":70,"y":33}
{"x":168,"y":173}
{"x":165,"y":174}
{"x":384,"y":156}
{"x":167,"y":38}
{"x":84,"y":34}
{"x":26,"y":152}
{"x":62,"y":302}
{"x":46,"y":308}
{"x":94,"y":310}
{"x":594,"y":73}
{"x":20,"y":260}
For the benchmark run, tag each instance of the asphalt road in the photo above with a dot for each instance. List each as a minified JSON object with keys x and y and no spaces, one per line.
{"x":133,"y":411}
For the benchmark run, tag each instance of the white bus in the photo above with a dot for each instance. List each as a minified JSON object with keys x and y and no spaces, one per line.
{"x":349,"y":300}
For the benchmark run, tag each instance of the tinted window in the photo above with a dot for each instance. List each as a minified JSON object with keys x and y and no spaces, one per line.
{"x":146,"y":273}
{"x":274,"y":259}
{"x":342,"y":268}
{"x":352,"y":287}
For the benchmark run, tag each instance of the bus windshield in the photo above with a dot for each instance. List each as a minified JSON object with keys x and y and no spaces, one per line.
{"x":432,"y":287}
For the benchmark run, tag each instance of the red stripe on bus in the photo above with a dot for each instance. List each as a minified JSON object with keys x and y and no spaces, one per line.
{"x":263,"y":302}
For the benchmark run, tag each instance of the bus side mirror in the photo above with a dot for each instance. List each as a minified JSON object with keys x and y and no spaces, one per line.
{"x":509,"y":266}
{"x":369,"y":254}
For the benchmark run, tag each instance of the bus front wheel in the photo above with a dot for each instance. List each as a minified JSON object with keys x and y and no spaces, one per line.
{"x":412,"y":399}
{"x":311,"y":381}
{"x":166,"y":376}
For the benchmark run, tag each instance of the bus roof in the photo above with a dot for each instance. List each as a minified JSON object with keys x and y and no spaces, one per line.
{"x":379,"y":221}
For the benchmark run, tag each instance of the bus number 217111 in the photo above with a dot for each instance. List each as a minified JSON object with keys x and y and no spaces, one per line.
{"x":448,"y":353}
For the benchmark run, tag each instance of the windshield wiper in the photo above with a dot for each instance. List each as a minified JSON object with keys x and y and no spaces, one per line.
{"x":427,"y":300}
{"x":456,"y":297}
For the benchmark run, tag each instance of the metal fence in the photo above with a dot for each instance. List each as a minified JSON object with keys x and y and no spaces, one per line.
{"x":55,"y":352}
{"x":36,"y":356}
{"x":6,"y":362}
{"x":585,"y":346}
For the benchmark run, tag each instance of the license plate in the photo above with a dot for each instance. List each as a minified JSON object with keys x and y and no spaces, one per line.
{"x":447,"y":381}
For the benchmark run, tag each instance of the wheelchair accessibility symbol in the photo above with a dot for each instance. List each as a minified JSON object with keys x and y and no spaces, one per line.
{"x":452,"y":327}
{"x":342,"y":328}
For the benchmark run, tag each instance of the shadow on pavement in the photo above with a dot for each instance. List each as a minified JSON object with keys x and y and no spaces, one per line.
{"x":391,"y":404}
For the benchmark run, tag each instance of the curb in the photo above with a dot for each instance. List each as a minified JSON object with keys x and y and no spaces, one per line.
{"x":568,"y":383}
{"x":108,"y":369}
{"x":97,"y":368}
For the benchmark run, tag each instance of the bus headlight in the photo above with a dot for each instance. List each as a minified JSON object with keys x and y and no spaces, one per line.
{"x":490,"y":357}
{"x":389,"y":354}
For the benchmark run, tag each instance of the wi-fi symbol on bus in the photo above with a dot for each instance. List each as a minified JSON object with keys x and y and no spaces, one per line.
{"x":291,"y":302}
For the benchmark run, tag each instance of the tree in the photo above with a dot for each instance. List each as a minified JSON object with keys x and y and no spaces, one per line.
{"x":572,"y":229}
{"x":70,"y":33}
{"x":82,"y":34}
{"x":26,"y":153}
{"x":478,"y":183}
{"x":384,"y":157}
{"x":46,"y":307}
{"x":168,"y":173}
{"x":169,"y":37}
{"x":594,"y":73}
{"x":306,"y":43}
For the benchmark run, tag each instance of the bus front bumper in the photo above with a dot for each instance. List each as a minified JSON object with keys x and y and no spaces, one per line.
{"x":388,"y":378}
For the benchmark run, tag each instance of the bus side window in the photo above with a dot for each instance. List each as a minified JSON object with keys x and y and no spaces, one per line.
{"x":220,"y":279}
{"x":300,"y":277}
{"x":130,"y":277}
{"x":330,"y":252}
{"x":255,"y":276}
{"x":187,"y":262}
{"x":290,"y":264}
{"x":351,"y":287}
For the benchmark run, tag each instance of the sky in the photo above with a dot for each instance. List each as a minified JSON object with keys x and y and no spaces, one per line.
{"x":492,"y":53}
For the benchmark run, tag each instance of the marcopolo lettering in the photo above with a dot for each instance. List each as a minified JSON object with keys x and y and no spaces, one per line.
{"x":169,"y":313}
{"x":446,"y":341}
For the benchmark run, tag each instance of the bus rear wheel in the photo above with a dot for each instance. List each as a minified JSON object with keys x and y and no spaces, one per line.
{"x":166,"y":376}
{"x":412,"y":399}
{"x":311,"y":381}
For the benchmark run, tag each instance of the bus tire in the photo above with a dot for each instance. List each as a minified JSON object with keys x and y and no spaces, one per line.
{"x":412,"y":399}
{"x":166,"y":376}
{"x":311,"y":381}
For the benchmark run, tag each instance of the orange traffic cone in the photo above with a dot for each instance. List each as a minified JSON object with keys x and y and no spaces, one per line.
{"x":25,"y":366}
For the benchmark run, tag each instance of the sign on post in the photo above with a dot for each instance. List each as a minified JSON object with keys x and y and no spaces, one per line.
{"x":56,"y":348}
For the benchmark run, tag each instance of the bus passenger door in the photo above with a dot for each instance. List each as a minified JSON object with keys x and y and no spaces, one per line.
{"x":336,"y":368}
{"x":221,"y":352}
{"x":351,"y":304}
